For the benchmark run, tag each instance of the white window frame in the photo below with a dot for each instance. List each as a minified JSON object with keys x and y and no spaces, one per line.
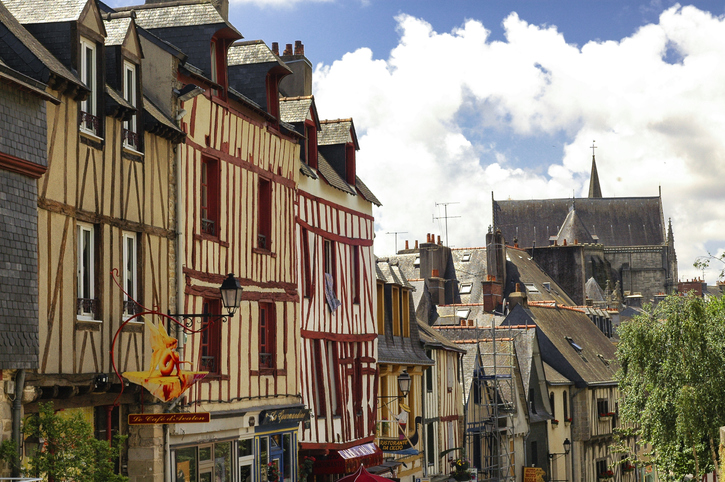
{"x":130,"y":94}
{"x":86,"y":266}
{"x":89,"y":105}
{"x":466,"y":288}
{"x":246,"y":460}
{"x":130,"y":268}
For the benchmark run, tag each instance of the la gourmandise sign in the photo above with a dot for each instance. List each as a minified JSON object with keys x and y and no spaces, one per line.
{"x":162,"y":418}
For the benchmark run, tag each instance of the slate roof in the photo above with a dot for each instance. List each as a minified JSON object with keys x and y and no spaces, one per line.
{"x":116,"y":30}
{"x":295,"y":109}
{"x":366,"y":192}
{"x":252,"y":52}
{"x":23,"y":43}
{"x":332,"y":177}
{"x":573,"y":230}
{"x":28,"y":12}
{"x":432,"y":338}
{"x":593,"y":290}
{"x":555,"y":378}
{"x":165,"y":122}
{"x":307,"y":170}
{"x":337,"y":132}
{"x":626,"y":221}
{"x":570,"y":343}
{"x":180,"y":13}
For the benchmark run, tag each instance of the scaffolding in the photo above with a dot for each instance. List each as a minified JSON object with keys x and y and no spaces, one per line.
{"x":492,"y":406}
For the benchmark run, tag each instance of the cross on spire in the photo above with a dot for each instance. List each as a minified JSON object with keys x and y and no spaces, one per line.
{"x":593,"y":147}
{"x":594,"y":189}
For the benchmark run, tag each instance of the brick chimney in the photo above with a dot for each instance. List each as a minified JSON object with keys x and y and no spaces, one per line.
{"x":299,"y":48}
{"x":434,"y":260}
{"x":275,"y":48}
{"x":518,"y":297}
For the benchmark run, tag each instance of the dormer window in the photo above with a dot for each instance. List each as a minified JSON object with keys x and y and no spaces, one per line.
{"x":311,"y":148}
{"x":88,"y":70}
{"x":130,"y":93}
{"x":350,"y":163}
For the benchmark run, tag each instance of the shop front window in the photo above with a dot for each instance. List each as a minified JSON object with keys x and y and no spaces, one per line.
{"x":287,"y":457}
{"x":186,"y":465}
{"x":246,"y":460}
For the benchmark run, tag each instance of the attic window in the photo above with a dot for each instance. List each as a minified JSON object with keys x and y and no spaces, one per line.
{"x":416,"y":263}
{"x":531,"y":288}
{"x":463,"y":313}
{"x":547,"y":285}
{"x":466,"y":288}
{"x":604,"y":360}
{"x":466,"y":257}
{"x":574,"y":345}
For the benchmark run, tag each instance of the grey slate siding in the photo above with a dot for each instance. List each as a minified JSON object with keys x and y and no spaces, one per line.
{"x":194,"y":41}
{"x":18,"y":272}
{"x":23,"y":135}
{"x":21,"y":59}
{"x":56,"y":37}
{"x":250,"y":80}
{"x":22,"y":125}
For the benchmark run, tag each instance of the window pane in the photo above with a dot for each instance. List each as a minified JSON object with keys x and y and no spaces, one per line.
{"x":245,"y":447}
{"x":245,"y":473}
{"x":186,"y":465}
{"x":263,"y":451}
{"x":287,"y":455}
{"x":223,"y":462}
{"x":204,"y":454}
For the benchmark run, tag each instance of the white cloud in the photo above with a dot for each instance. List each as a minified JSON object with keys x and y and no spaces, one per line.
{"x":655,"y":123}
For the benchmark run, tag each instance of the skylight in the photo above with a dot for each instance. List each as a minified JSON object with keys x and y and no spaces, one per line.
{"x":416,"y":263}
{"x":466,"y":288}
{"x":574,"y":345}
{"x":531,"y":288}
{"x":466,"y":257}
{"x":463,"y":313}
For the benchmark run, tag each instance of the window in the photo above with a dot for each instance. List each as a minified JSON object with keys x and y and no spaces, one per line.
{"x":395,"y":295}
{"x":245,"y":453}
{"x":311,"y":150}
{"x":330,"y":262}
{"x":602,"y":468}
{"x":603,"y":407}
{"x":532,"y":400}
{"x":87,"y":304}
{"x":466,"y":288}
{"x":551,"y":401}
{"x":429,"y":373}
{"x":209,"y":196}
{"x":565,"y":406}
{"x":332,"y":367}
{"x":264,"y":218}
{"x":466,"y":257}
{"x":89,"y":107}
{"x":267,"y":336}
{"x":404,"y":313}
{"x":534,"y":455}
{"x":130,"y":133}
{"x":350,"y":163}
{"x":130,"y":274}
{"x":203,"y":463}
{"x":211,"y":336}
{"x":381,"y":308}
{"x":318,"y":378}
{"x":306,"y":268}
{"x":531,"y":288}
{"x":450,"y":376}
{"x":416,"y":262}
{"x":355,"y":274}
{"x":430,"y":443}
{"x":462,"y":313}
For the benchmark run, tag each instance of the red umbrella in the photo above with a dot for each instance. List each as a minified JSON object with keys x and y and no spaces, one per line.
{"x":362,"y":475}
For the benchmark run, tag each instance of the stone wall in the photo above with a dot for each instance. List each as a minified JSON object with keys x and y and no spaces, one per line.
{"x":146,"y":450}
{"x":640,"y":269}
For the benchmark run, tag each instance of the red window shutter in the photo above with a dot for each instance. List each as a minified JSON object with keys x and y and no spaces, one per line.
{"x":210,"y":346}
{"x":267,"y":325}
{"x":350,"y":163}
{"x":311,"y":153}
{"x":264,"y":218}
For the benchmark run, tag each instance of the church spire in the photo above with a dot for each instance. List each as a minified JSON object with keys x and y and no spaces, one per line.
{"x":594,"y":189}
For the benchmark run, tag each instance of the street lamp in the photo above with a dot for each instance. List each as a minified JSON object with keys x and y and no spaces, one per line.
{"x":404,"y":381}
{"x":231,"y":295}
{"x":567,"y":446}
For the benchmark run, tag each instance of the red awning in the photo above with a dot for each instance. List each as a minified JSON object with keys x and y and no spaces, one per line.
{"x":347,"y":461}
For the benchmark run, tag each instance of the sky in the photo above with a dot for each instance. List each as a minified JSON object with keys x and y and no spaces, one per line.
{"x":458,"y":101}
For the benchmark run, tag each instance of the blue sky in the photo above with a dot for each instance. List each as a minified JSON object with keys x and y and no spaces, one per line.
{"x":453,"y":100}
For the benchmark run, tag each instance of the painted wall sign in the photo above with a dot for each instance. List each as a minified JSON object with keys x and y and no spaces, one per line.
{"x":283,"y":416}
{"x":162,"y":418}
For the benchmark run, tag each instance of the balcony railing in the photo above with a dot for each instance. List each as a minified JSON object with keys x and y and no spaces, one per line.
{"x":262,"y":241}
{"x":130,"y":138}
{"x":130,"y":308}
{"x":208,"y":364}
{"x":266,"y":360}
{"x":90,"y":122}
{"x":87,"y":307}
{"x":208,"y":226}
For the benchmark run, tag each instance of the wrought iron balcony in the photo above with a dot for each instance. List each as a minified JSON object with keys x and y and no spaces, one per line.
{"x":87,"y":307}
{"x":90,"y":122}
{"x":208,"y":226}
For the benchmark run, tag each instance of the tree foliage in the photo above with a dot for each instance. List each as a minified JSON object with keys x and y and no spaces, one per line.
{"x":672,"y":381}
{"x":68,"y":450}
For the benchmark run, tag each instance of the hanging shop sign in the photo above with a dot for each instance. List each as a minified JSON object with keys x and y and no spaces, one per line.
{"x":164,"y":418}
{"x":165,"y":379}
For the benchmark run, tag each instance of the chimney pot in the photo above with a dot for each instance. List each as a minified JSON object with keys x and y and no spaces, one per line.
{"x":288,"y":49}
{"x":275,"y":48}
{"x":576,"y":241}
{"x":435,"y":273}
{"x":299,"y":48}
{"x":439,"y":239}
{"x":406,"y":245}
{"x":416,"y":244}
{"x":564,"y":242}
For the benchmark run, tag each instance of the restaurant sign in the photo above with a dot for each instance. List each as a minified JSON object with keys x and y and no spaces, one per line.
{"x":284,"y":416}
{"x":162,"y":418}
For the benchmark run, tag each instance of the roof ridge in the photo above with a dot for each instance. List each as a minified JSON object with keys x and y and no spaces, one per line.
{"x":297,"y":97}
{"x":171,"y":3}
{"x":335,"y":121}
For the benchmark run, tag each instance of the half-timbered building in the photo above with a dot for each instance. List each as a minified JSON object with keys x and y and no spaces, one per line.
{"x":106,"y":229}
{"x":237,"y":186}
{"x":337,"y":304}
{"x":400,"y":354}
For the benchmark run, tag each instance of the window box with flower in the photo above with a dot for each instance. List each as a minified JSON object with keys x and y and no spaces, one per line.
{"x":627,"y":468}
{"x":459,"y":469}
{"x":554,"y":422}
{"x":569,"y":420}
{"x":603,"y":417}
{"x":606,"y":476}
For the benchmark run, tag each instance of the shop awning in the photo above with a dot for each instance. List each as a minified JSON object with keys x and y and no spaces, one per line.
{"x":347,"y":461}
{"x":386,"y":469}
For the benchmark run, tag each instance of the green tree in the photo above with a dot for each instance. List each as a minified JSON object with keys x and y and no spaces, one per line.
{"x":672,"y":381}
{"x":68,"y":450}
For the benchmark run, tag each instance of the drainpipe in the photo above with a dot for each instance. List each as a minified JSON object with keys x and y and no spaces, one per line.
{"x":179,"y":250}
{"x":17,"y":409}
{"x":167,"y":455}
